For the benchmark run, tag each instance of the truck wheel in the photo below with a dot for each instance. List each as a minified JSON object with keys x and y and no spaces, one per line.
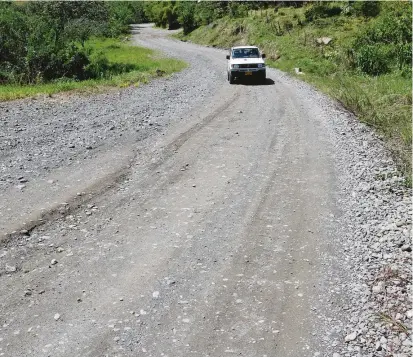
{"x":231,"y":78}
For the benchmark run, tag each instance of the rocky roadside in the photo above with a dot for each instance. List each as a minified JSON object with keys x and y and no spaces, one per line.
{"x":378,"y":248}
{"x":377,"y":245}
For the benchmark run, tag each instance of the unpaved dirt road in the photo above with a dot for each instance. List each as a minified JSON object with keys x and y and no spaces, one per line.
{"x":188,"y":217}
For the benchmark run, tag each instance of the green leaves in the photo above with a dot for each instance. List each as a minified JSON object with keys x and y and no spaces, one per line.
{"x":42,"y":41}
{"x":386,"y":43}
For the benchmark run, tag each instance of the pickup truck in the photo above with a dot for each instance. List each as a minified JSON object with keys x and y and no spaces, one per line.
{"x":246,"y":62}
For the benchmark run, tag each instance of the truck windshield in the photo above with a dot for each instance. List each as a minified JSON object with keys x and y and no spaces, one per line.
{"x":245,"y":53}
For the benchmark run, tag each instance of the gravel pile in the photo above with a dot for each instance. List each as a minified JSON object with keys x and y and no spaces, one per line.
{"x":377,"y":246}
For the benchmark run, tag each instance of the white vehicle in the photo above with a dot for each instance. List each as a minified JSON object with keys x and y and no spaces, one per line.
{"x":246,"y":62}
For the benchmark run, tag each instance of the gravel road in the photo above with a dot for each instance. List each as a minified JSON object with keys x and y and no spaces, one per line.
{"x":191,"y":217}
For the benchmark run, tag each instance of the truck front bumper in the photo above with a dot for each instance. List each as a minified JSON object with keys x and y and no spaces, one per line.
{"x":248,"y":72}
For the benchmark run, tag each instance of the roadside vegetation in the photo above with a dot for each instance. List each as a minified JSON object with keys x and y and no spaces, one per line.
{"x":358,"y":52}
{"x":49,"y":47}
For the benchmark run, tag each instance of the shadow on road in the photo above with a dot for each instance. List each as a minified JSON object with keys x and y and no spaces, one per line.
{"x":268,"y":82}
{"x":136,"y":28}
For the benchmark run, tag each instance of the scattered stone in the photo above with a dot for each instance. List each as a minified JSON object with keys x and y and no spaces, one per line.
{"x":351,"y":337}
{"x":324,"y":40}
{"x":378,"y":288}
{"x":53,"y":262}
{"x":11,"y":268}
{"x":57,"y":317}
{"x":170,"y":282}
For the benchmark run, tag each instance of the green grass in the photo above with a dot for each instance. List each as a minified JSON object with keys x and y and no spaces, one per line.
{"x":383,"y":102}
{"x":144,"y":63}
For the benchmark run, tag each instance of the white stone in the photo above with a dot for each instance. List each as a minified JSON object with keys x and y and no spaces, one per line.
{"x":378,"y":288}
{"x":351,"y":337}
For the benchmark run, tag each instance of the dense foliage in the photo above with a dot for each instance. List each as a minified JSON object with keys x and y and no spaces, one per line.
{"x":386,"y":43}
{"x":42,"y":41}
{"x":383,"y":45}
{"x":190,"y":14}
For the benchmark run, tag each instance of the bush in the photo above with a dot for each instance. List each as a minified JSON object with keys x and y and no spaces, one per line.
{"x":385,"y":44}
{"x":42,"y":41}
{"x":98,"y":66}
{"x":372,"y":60}
{"x":321,"y":10}
{"x":288,"y":25}
{"x":366,"y":8}
{"x":186,"y":16}
{"x":237,"y":10}
{"x":83,"y":28}
{"x":76,"y":64}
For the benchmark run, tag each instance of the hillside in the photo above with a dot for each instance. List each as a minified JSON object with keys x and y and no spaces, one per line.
{"x":357,"y":53}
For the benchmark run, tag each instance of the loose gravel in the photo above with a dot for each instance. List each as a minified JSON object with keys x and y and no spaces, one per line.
{"x":376,"y":258}
{"x":40,"y":134}
{"x":373,"y":267}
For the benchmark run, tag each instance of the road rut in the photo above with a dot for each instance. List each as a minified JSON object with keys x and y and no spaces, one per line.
{"x":221,"y":236}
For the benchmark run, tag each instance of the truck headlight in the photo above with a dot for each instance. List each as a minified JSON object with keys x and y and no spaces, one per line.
{"x":260,"y":65}
{"x":235,"y":66}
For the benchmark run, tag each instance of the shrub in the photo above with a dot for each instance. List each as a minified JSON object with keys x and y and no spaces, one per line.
{"x":321,"y":10}
{"x":82,"y":29}
{"x":372,"y":59}
{"x":237,"y":10}
{"x":76,"y":63}
{"x":186,"y":16}
{"x":385,"y":44}
{"x":288,"y":25}
{"x":366,"y":8}
{"x":39,"y":41}
{"x":98,"y":66}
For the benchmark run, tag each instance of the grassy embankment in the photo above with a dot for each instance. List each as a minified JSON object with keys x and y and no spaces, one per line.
{"x":383,"y":102}
{"x":142,"y":64}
